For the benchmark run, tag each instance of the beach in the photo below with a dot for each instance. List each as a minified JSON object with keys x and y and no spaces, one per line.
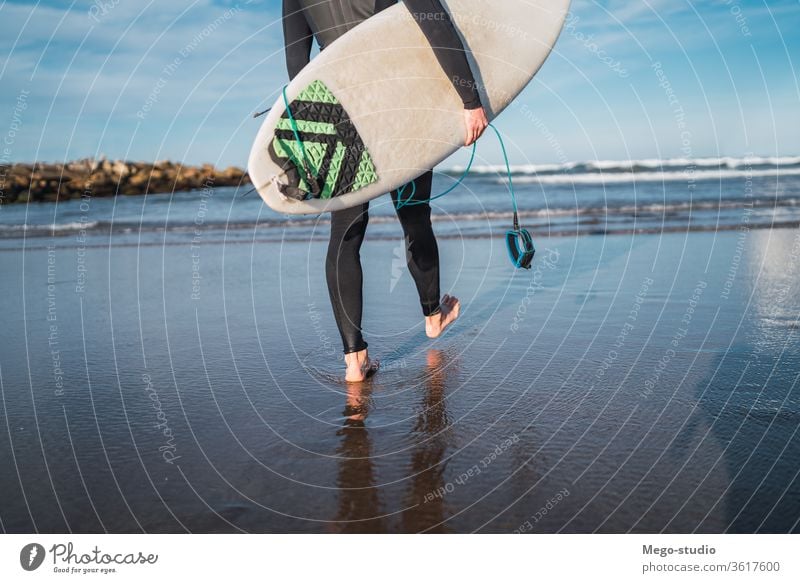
{"x":629,"y":382}
{"x":204,"y":204}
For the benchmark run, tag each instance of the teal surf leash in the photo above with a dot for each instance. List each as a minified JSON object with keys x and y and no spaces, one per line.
{"x":410,"y":202}
{"x":519,"y":242}
{"x":310,"y":178}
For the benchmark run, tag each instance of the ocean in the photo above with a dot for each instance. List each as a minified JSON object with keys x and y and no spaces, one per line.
{"x":598,"y":197}
{"x":170,"y":363}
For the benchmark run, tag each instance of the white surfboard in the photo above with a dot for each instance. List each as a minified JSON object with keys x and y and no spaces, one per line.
{"x":405,"y":110}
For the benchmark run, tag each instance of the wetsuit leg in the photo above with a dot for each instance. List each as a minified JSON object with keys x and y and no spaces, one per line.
{"x":422,"y":252}
{"x":343,"y":272}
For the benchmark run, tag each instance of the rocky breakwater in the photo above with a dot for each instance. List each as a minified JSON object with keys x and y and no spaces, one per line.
{"x":39,"y":182}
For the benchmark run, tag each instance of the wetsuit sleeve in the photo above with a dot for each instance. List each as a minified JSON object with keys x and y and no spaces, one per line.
{"x":297,"y":37}
{"x":383,"y":4}
{"x":435,"y":23}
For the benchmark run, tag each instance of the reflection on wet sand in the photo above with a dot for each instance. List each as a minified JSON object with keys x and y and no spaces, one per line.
{"x":427,"y":514}
{"x":360,"y":506}
{"x":359,"y":501}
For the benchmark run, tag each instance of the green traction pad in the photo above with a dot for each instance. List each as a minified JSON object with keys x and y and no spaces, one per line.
{"x":337,"y":157}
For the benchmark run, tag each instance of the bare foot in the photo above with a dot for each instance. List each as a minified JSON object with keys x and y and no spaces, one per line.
{"x":448,"y":312}
{"x":359,"y":366}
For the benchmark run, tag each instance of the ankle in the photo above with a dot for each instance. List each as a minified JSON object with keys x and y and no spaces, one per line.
{"x":356,"y":359}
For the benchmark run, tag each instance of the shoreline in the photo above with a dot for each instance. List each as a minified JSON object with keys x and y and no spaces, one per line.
{"x":62,"y":235}
{"x":194,"y":244}
{"x":640,"y":372}
{"x":51,"y":182}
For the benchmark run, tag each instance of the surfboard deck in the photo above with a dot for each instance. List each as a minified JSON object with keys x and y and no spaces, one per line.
{"x":384,"y":77}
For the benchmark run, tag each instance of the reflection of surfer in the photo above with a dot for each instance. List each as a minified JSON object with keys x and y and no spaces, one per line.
{"x":360,"y":508}
{"x":325,"y":21}
{"x":359,"y":503}
{"x":423,"y":511}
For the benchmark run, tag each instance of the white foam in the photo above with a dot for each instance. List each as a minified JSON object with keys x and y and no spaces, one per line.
{"x":75,"y":226}
{"x":620,"y":166}
{"x":627,"y":177}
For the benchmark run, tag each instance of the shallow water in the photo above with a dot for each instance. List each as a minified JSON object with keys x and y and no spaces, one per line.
{"x":601,"y":197}
{"x":628,"y":383}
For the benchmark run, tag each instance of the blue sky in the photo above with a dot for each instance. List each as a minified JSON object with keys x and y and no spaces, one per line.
{"x":142,"y":81}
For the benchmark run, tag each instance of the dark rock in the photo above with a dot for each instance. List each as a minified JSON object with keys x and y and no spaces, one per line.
{"x":101,"y":177}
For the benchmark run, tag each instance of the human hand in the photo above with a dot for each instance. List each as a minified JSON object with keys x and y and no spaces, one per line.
{"x":476,"y":122}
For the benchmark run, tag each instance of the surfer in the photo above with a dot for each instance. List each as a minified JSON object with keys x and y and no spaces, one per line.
{"x":326,"y":20}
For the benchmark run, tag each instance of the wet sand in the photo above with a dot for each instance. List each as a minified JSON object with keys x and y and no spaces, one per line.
{"x":643,"y":383}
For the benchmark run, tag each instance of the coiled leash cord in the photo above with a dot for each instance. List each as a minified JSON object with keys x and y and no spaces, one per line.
{"x":519,"y":242}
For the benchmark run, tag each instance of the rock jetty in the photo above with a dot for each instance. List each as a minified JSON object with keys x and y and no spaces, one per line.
{"x":39,"y":182}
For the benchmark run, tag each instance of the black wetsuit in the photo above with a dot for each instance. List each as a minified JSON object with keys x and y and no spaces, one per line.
{"x":325,"y":21}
